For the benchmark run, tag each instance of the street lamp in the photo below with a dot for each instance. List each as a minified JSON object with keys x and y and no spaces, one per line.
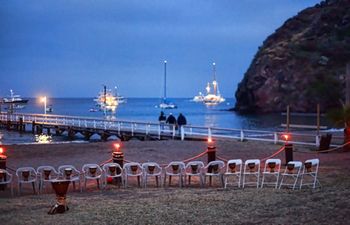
{"x":44,"y":100}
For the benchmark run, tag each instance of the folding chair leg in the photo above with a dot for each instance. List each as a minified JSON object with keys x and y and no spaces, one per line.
{"x":33,"y":184}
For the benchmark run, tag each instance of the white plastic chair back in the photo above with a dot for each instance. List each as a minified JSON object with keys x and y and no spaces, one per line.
{"x":92,"y":171}
{"x":26,"y":175}
{"x":216,"y":166}
{"x":6,"y":178}
{"x":151,"y":169}
{"x":46,"y":174}
{"x":292,"y":171}
{"x":214,"y":169}
{"x":251,"y":169}
{"x":112,"y":170}
{"x":132,"y":169}
{"x":75,"y":175}
{"x":194,"y":168}
{"x":310,"y":169}
{"x":233,"y":169}
{"x":69,"y":172}
{"x":175,"y":168}
{"x":271,"y":170}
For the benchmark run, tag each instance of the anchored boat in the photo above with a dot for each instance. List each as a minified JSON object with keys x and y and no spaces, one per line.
{"x":213,"y":96}
{"x":165,"y":104}
{"x":106,"y":100}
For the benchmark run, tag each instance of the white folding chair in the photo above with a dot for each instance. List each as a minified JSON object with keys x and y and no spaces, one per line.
{"x":251,"y":170}
{"x":214,"y":169}
{"x":291,"y":174}
{"x":5,"y":179}
{"x":26,"y":175}
{"x":46,"y":174}
{"x":114,"y":171}
{"x":151,"y":169}
{"x":92,"y":171}
{"x":175,"y":168}
{"x":194,"y":168}
{"x":69,"y":172}
{"x":310,"y":169}
{"x":271,"y":171}
{"x":233,"y":169}
{"x":132,"y":169}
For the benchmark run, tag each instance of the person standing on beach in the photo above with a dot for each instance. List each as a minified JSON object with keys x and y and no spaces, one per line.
{"x":181,"y":120}
{"x":171,"y":121}
{"x":162,"y":119}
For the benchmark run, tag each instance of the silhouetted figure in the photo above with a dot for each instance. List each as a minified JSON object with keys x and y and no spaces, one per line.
{"x":162,"y":119}
{"x":171,"y":121}
{"x":181,"y":120}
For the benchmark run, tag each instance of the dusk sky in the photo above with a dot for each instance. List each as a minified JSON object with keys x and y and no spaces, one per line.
{"x":70,"y":48}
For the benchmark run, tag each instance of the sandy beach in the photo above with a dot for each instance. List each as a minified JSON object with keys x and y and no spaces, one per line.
{"x":173,"y":205}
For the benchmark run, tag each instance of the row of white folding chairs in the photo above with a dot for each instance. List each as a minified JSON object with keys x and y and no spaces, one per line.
{"x":294,"y":171}
{"x":143,"y":171}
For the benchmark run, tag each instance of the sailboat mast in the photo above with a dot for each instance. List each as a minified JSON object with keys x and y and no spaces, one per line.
{"x":104,"y":93}
{"x":164,"y":96}
{"x":214,"y":81}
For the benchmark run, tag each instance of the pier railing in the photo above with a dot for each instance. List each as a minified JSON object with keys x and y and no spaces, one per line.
{"x":157,"y":129}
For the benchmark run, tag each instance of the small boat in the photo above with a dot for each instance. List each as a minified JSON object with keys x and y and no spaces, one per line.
{"x":120,"y":98}
{"x":165,"y":104}
{"x":49,"y":109}
{"x":106,"y":100}
{"x":212,"y":97}
{"x":198,"y":98}
{"x":14,"y":99}
{"x":13,"y":102}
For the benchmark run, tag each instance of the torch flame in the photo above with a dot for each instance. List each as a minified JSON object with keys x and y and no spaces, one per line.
{"x":1,"y":150}
{"x":210,"y":140}
{"x":117,"y":146}
{"x":286,"y":137}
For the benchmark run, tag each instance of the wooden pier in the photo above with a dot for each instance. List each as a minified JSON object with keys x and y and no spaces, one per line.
{"x":72,"y":126}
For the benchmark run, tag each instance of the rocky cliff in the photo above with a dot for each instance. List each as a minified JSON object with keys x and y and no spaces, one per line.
{"x":301,"y":64}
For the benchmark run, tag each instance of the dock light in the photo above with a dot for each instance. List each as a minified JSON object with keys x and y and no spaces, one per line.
{"x":44,"y":100}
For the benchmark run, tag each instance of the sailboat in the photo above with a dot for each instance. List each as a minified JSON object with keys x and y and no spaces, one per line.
{"x":213,"y":96}
{"x":165,"y":104}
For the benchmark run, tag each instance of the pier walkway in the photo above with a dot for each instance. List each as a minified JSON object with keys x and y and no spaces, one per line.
{"x":127,"y":129}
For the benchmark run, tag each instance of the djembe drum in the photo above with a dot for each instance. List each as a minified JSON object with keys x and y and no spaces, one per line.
{"x":272,"y":166}
{"x":194,"y":168}
{"x":251,"y":167}
{"x":60,"y":187}
{"x":151,"y":169}
{"x":232,"y":167}
{"x":175,"y":168}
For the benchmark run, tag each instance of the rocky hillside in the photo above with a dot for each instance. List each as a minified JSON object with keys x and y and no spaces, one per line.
{"x":301,"y":64}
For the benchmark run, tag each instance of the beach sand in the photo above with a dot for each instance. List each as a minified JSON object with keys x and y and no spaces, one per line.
{"x":173,"y":205}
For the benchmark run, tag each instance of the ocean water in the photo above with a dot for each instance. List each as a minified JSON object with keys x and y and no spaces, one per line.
{"x":144,"y":109}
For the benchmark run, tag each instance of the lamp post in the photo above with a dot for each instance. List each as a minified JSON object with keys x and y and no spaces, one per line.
{"x":44,"y":100}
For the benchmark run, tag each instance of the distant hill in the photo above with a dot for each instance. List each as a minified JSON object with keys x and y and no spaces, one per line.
{"x":301,"y":64}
